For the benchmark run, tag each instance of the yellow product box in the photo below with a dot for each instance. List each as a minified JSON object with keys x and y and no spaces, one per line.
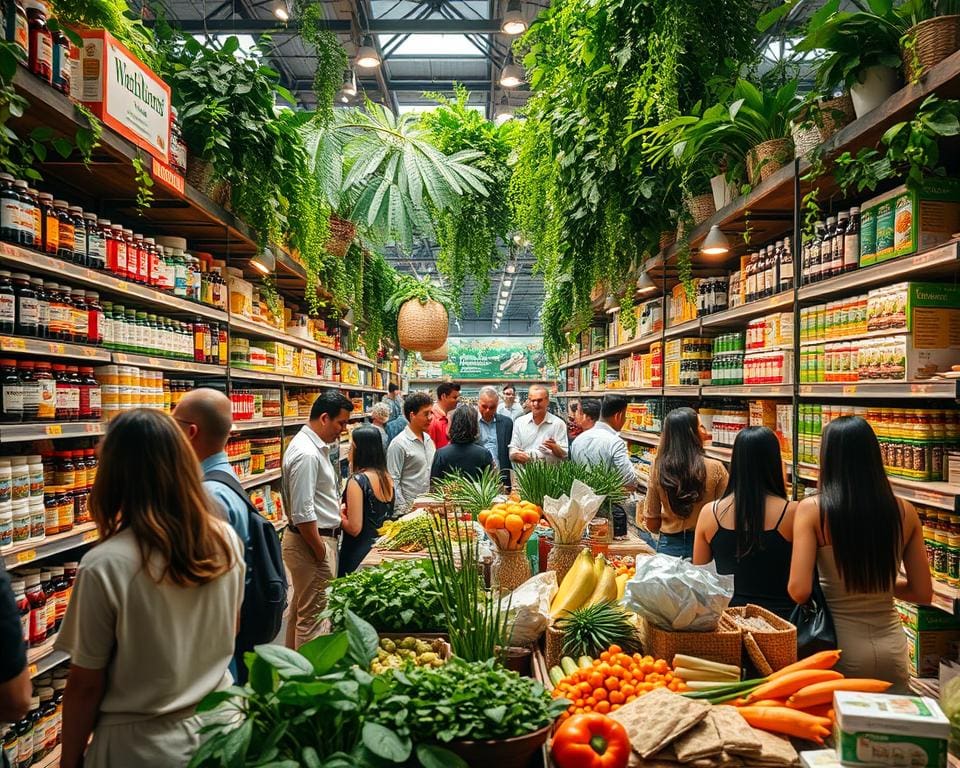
{"x":241,"y":296}
{"x":282,"y":355}
{"x":671,"y":370}
{"x":291,"y":407}
{"x":763,"y":413}
{"x":780,"y":329}
{"x":349,"y":373}
{"x":672,"y":350}
{"x":308,"y":363}
{"x":357,"y":405}
{"x":634,"y":420}
{"x":784,"y":430}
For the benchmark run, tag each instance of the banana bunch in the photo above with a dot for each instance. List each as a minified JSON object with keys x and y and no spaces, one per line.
{"x":590,"y":581}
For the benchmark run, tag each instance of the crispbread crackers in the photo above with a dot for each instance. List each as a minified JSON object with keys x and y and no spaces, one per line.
{"x":736,"y":734}
{"x":775,"y":751}
{"x":701,"y":741}
{"x":657,"y":718}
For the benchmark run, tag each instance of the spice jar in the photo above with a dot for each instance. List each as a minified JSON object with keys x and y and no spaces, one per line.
{"x":131,"y":273}
{"x":43,"y":307}
{"x":143,"y":260}
{"x":36,"y":223}
{"x":17,"y":28}
{"x":94,"y":318}
{"x":28,"y":311}
{"x":31,"y":390}
{"x":28,"y":213}
{"x":11,"y":393}
{"x":40,"y":58}
{"x":79,"y":235}
{"x":47,"y":389}
{"x":64,"y":230}
{"x":62,"y":64}
{"x":90,"y":395}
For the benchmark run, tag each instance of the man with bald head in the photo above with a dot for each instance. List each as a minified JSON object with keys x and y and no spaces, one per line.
{"x":538,"y":435}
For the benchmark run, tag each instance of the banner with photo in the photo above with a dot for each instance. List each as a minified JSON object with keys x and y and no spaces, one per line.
{"x":489,"y":358}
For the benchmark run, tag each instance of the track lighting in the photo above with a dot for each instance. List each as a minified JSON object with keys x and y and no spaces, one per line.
{"x":264,"y":262}
{"x":513,"y":22}
{"x":367,"y":56}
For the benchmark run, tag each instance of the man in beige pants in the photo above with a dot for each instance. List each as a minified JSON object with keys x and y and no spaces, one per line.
{"x":311,"y":497}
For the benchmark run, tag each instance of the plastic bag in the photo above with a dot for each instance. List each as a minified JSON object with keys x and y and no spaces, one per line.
{"x":676,"y":595}
{"x":569,"y":515}
{"x":529,"y":607}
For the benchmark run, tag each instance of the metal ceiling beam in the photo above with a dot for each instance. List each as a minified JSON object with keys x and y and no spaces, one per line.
{"x":376,"y":26}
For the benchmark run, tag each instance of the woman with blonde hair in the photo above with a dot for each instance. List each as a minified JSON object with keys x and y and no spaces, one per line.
{"x":151,"y":623}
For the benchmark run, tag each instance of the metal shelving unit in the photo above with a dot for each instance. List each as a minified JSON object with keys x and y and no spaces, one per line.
{"x":18,"y":433}
{"x":36,"y":550}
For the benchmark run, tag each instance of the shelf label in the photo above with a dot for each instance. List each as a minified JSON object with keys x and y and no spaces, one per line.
{"x":26,"y":556}
{"x":90,"y":536}
{"x":168,"y":177}
{"x":57,"y":349}
{"x":53,"y":429}
{"x":33,"y":669}
{"x":849,"y":389}
{"x":14,"y":345}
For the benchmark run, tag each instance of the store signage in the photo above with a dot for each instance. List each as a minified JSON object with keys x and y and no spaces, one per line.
{"x":168,"y":177}
{"x":126,"y":95}
{"x":490,"y":358}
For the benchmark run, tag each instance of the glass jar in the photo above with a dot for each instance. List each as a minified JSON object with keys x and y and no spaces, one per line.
{"x":95,"y":247}
{"x":62,"y":64}
{"x":38,"y":608}
{"x":64,"y":230}
{"x":47,"y":390}
{"x":143,"y":260}
{"x":119,"y":250}
{"x":40,"y":58}
{"x":132,"y":266}
{"x":79,"y":236}
{"x":31,"y":390}
{"x":94,"y":318}
{"x":8,"y":303}
{"x":58,"y":312}
{"x":119,"y":326}
{"x":109,"y":245}
{"x":69,"y":330}
{"x":17,"y":27}
{"x":11,"y":393}
{"x":90,"y":395}
{"x":9,"y":210}
{"x":81,"y":316}
{"x":43,"y":307}
{"x":37,"y":519}
{"x":179,"y":274}
{"x":68,"y":395}
{"x":49,"y":224}
{"x":37,"y":224}
{"x":28,"y":213}
{"x":27,"y":309}
{"x":153,"y":262}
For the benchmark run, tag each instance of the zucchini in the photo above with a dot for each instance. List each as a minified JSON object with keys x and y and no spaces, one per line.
{"x":568,"y":665}
{"x":694,"y":662}
{"x":694,"y":675}
{"x":556,"y":675}
{"x":585,"y":661}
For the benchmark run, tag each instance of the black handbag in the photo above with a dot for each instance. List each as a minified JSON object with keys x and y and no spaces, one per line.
{"x":815,"y":630}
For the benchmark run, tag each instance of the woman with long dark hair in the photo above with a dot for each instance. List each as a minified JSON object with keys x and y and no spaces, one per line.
{"x":151,"y":623}
{"x":368,"y":496}
{"x":463,"y":453}
{"x":749,"y":531}
{"x":682,"y":480}
{"x":855,"y":534}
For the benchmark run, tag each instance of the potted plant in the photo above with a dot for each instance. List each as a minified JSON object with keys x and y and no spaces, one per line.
{"x":817,"y":119}
{"x":863,"y":51}
{"x":934,"y":34}
{"x":422,"y":313}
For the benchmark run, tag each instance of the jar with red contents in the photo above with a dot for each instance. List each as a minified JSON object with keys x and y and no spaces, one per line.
{"x":68,"y":394}
{"x":143,"y":260}
{"x":90,"y":396}
{"x":119,"y":250}
{"x":40,"y":60}
{"x":38,"y":610}
{"x":94,"y":318}
{"x":132,"y":265}
{"x":109,"y":245}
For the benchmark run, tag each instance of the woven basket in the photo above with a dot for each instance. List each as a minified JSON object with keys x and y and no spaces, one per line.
{"x":202,"y":176}
{"x":436,"y":355}
{"x":511,"y":568}
{"x":723,"y":645}
{"x":422,"y":327}
{"x":667,"y":238}
{"x":765,"y":159}
{"x":342,"y":233}
{"x":553,"y":646}
{"x":701,"y":207}
{"x":933,"y":41}
{"x":561,"y":559}
{"x":822,"y":122}
{"x":779,"y":647}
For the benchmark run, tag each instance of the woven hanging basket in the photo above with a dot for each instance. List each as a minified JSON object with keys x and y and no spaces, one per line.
{"x":829,"y":117}
{"x":667,"y":238}
{"x":767,"y":158}
{"x":342,"y":233}
{"x":435,"y":355}
{"x":202,"y":176}
{"x":701,"y":207}
{"x":933,"y":41}
{"x":422,"y":327}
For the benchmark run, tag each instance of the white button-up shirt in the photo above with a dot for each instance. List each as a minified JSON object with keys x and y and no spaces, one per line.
{"x":310,"y":489}
{"x":408,"y":461}
{"x":528,"y":436}
{"x":514,"y":411}
{"x":602,"y":445}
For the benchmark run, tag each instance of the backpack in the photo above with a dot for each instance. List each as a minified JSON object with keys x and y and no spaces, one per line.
{"x":265,"y":591}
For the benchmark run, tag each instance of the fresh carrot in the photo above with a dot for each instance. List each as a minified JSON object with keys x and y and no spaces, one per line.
{"x":785,"y":685}
{"x":764,"y":703}
{"x":822,"y":693}
{"x":822,"y":660}
{"x":823,"y":710}
{"x":790,"y":722}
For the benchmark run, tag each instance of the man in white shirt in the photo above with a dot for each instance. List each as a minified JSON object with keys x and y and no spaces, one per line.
{"x":311,"y":497}
{"x":510,"y":407}
{"x":538,"y":435}
{"x":602,"y":443}
{"x":410,"y":454}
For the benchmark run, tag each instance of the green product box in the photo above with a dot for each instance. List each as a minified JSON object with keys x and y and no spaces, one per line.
{"x":908,"y":221}
{"x":868,"y":237}
{"x":878,"y":729}
{"x":921,"y":617}
{"x":927,"y":647}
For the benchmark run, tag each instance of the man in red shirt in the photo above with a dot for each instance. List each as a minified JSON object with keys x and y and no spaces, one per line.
{"x":448,"y":394}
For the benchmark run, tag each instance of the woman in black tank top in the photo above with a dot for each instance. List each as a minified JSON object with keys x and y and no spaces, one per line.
{"x":750,"y":531}
{"x":366,"y":512}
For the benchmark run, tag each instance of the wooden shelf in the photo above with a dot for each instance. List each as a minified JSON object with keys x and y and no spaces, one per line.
{"x":262,"y":479}
{"x":165,"y":364}
{"x":250,"y":425}
{"x":48,"y":348}
{"x":44,"y":658}
{"x":34,"y":551}
{"x":263,"y":331}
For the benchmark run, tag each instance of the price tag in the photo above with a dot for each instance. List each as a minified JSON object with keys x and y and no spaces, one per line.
{"x":57,"y":349}
{"x":90,"y":536}
{"x":14,"y":345}
{"x":849,"y":389}
{"x":122,"y":286}
{"x":53,"y":429}
{"x":33,"y":669}
{"x":26,"y":556}
{"x":88,"y":352}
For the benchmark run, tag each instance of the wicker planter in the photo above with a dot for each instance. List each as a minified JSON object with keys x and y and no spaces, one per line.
{"x":821,"y":122}
{"x":435,"y":355}
{"x":553,"y":646}
{"x":767,"y":158}
{"x":667,"y":238}
{"x":933,"y":40}
{"x":701,"y":207}
{"x":511,"y":568}
{"x":202,"y":176}
{"x":422,"y":327}
{"x":561,"y":559}
{"x":342,"y":233}
{"x":873,"y":87}
{"x":722,"y":645}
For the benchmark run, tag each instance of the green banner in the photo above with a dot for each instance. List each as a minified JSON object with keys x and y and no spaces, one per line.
{"x":490,"y":358}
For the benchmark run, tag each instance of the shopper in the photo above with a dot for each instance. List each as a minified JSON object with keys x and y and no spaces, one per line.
{"x":602,"y":444}
{"x":379,"y":417}
{"x":749,"y":532}
{"x":393,"y":400}
{"x":410,"y":454}
{"x":448,"y":395}
{"x":573,"y":419}
{"x":394,"y":427}
{"x":15,"y":688}
{"x":368,"y":496}
{"x":589,"y":414}
{"x":312,"y":500}
{"x":464,"y":454}
{"x":510,"y":407}
{"x":151,"y":622}
{"x":855,"y":535}
{"x":496,"y":432}
{"x":682,"y":481}
{"x":538,"y":435}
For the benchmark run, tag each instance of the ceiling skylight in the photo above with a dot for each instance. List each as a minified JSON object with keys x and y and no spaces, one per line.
{"x":432,"y":45}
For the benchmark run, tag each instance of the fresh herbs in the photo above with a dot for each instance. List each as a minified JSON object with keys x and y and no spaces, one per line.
{"x":466,"y":700}
{"x":478,"y":625}
{"x":408,"y":288}
{"x":393,"y":597}
{"x":537,"y":479}
{"x":470,"y":495}
{"x":589,"y":630}
{"x":409,"y":534}
{"x":144,"y":182}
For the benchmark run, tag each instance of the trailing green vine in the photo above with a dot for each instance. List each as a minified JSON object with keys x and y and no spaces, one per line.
{"x":141,"y":171}
{"x":331,"y":57}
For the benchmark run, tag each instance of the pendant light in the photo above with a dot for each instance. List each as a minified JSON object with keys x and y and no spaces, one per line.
{"x":511,"y":76}
{"x":281,"y":11}
{"x":645,"y":283}
{"x":264,"y":262}
{"x":715,"y":243}
{"x":349,"y":83}
{"x":513,"y":22}
{"x":367,"y":56}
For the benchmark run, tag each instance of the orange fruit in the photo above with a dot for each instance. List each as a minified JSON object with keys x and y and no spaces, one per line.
{"x":495,"y":521}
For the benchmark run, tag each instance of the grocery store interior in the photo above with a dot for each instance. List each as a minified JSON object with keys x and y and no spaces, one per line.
{"x":445,"y":383}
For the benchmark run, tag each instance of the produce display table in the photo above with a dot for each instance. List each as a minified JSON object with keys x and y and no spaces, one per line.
{"x":377,"y":557}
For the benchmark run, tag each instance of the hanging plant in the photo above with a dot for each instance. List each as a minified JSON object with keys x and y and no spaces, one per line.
{"x":331,"y":57}
{"x":379,"y":280}
{"x":422,"y":313}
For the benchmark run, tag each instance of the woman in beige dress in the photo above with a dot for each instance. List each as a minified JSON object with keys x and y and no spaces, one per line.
{"x":857,"y":534}
{"x":151,"y":623}
{"x":682,"y":481}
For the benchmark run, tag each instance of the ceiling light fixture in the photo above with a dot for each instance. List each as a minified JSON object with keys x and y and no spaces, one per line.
{"x":511,"y":268}
{"x":645,"y":283}
{"x":715,"y":243}
{"x":511,"y":76}
{"x":513,"y":22}
{"x":507,"y":282}
{"x":349,"y":83}
{"x":264,"y":262}
{"x":504,"y":294}
{"x":367,"y":56}
{"x":517,"y":239}
{"x":281,"y":12}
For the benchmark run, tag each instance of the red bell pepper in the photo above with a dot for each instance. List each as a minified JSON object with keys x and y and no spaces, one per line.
{"x":591,"y":741}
